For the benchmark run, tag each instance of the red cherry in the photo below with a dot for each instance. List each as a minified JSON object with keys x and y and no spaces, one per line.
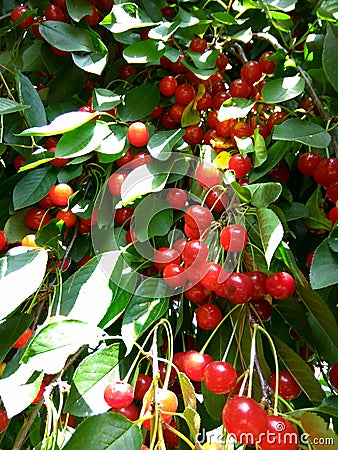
{"x":125,"y":159}
{"x":118,"y":394}
{"x":174,"y":275}
{"x":333,"y":375}
{"x":164,"y":256}
{"x":198,"y":217}
{"x":220,"y":377}
{"x":288,"y":386}
{"x":251,"y":72}
{"x":168,"y":85}
{"x":170,"y":438}
{"x":214,"y":276}
{"x":127,"y":71}
{"x":105,"y":5}
{"x":208,"y":316}
{"x":333,"y":215}
{"x":142,"y":385}
{"x":177,"y":198}
{"x":205,"y":102}
{"x":197,"y":293}
{"x":131,"y":412}
{"x":54,"y":12}
{"x":308,"y":162}
{"x":57,"y":162}
{"x":332,"y":193}
{"x":198,"y":45}
{"x":123,"y":215}
{"x":176,"y":112}
{"x":280,"y":285}
{"x":239,"y":88}
{"x":221,"y":62}
{"x":195,"y":364}
{"x":281,"y":435}
{"x":23,"y":339}
{"x":195,"y":252}
{"x":326,"y":173}
{"x":207,"y":175}
{"x":115,"y":182}
{"x":93,"y":18}
{"x":261,"y":308}
{"x":3,"y":240}
{"x":67,"y":216}
{"x":219,"y":99}
{"x":234,"y":238}
{"x":240,"y":165}
{"x":267,"y":65}
{"x":18,"y":162}
{"x":238,"y":288}
{"x":193,"y":135}
{"x":244,"y":419}
{"x":139,"y":159}
{"x":166,"y":401}
{"x":259,"y":279}
{"x":216,"y":200}
{"x":184,"y":93}
{"x":138,"y":134}
{"x":60,"y":194}
{"x":36,"y":218}
{"x":3,"y":420}
{"x":16,"y":15}
{"x":275,"y":118}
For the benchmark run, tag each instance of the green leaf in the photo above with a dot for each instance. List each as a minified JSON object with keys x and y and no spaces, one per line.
{"x":55,"y":342}
{"x":333,"y":239}
{"x":78,"y":9}
{"x":325,"y":348}
{"x":300,"y":371}
{"x":139,"y":102}
{"x":51,"y":236}
{"x":317,"y":218}
{"x":125,"y":17}
{"x":225,"y":18}
{"x":33,"y":186}
{"x":146,"y":307}
{"x":318,"y":432}
{"x":116,"y":433}
{"x":324,"y":267}
{"x":157,"y":221}
{"x":294,"y":211}
{"x":104,"y":99}
{"x":114,"y":143}
{"x":190,"y":115}
{"x":89,"y":381}
{"x":66,"y":37}
{"x":80,"y":290}
{"x":193,"y":421}
{"x":82,"y":140}
{"x":298,"y":130}
{"x":283,"y":89}
{"x":28,"y":95}
{"x":235,"y":108}
{"x":214,"y":403}
{"x":330,"y":64}
{"x":263,"y":194}
{"x":328,"y":10}
{"x":261,"y":153}
{"x":61,"y":124}
{"x":206,"y":60}
{"x":20,"y":276}
{"x":95,"y":61}
{"x":15,"y":227}
{"x":271,"y":231}
{"x":8,"y":106}
{"x":161,"y":143}
{"x":276,"y":152}
{"x":295,"y":315}
{"x":10,"y":331}
{"x":188,"y":391}
{"x":143,"y":52}
{"x":203,"y":74}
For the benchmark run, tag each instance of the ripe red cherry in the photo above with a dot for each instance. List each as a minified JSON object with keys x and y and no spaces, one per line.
{"x":118,"y":394}
{"x":139,"y":159}
{"x":23,"y":339}
{"x":131,"y":412}
{"x":267,"y":66}
{"x":205,"y":102}
{"x":93,"y":18}
{"x":123,"y":215}
{"x":239,"y":88}
{"x":193,"y":135}
{"x":280,"y":285}
{"x":244,"y":419}
{"x":332,"y":193}
{"x":16,"y":15}
{"x":36,"y":218}
{"x":67,"y":216}
{"x":333,"y":215}
{"x":238,"y":288}
{"x":240,"y":165}
{"x":221,"y":62}
{"x":177,"y":198}
{"x":198,"y":217}
{"x":174,"y":275}
{"x":198,"y":45}
{"x":326,"y":173}
{"x":234,"y":238}
{"x":3,"y":420}
{"x":40,"y":393}
{"x":168,"y":85}
{"x":308,"y":162}
{"x":197,"y":293}
{"x":220,"y":377}
{"x":208,"y":316}
{"x":176,"y":112}
{"x":184,"y":93}
{"x":251,"y":72}
{"x":207,"y":175}
{"x":115,"y":182}
{"x":164,"y":256}
{"x":127,"y":71}
{"x":281,"y":435}
{"x":142,"y":385}
{"x":195,"y":251}
{"x":125,"y":159}
{"x":275,"y":118}
{"x":333,"y":375}
{"x":214,"y":276}
{"x":57,"y":162}
{"x":54,"y":12}
{"x":3,"y":240}
{"x":288,"y":388}
{"x":105,"y":5}
{"x":195,"y":364}
{"x":261,"y":308}
{"x":216,"y":200}
{"x":60,"y":194}
{"x":138,"y":134}
{"x":259,"y":279}
{"x":240,"y":130}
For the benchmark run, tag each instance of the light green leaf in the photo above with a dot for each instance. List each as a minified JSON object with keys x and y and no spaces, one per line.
{"x":125,"y":17}
{"x":324,"y":267}
{"x":157,"y":221}
{"x":271,"y":231}
{"x":263,"y":194}
{"x":261,"y":153}
{"x":15,"y":227}
{"x":20,"y":276}
{"x":283,"y":89}
{"x":318,"y":432}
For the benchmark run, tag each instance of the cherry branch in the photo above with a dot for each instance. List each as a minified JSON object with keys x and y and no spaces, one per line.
{"x":322,"y":111}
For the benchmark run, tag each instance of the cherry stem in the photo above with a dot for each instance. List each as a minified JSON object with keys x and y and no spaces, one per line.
{"x":217,"y":328}
{"x":231,"y":339}
{"x":252,"y":361}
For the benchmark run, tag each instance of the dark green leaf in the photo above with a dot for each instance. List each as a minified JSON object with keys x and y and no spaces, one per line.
{"x":203,"y":74}
{"x":276,"y":153}
{"x":89,"y":380}
{"x":206,"y":60}
{"x":294,"y":211}
{"x":271,"y":231}
{"x":324,"y":267}
{"x":15,"y":228}
{"x":104,"y":99}
{"x":298,"y":130}
{"x":157,"y":221}
{"x":93,"y":62}
{"x":324,"y":346}
{"x":161,"y":143}
{"x":225,"y":18}
{"x":20,"y":276}
{"x":330,"y":64}
{"x":78,"y":9}
{"x":33,"y":186}
{"x":70,"y":172}
{"x":51,"y":236}
{"x":295,"y":316}
{"x":214,"y":403}
{"x":333,"y":239}
{"x":116,"y":433}
{"x":282,"y":89}
{"x":317,"y":218}
{"x":144,"y":52}
{"x":10,"y":331}
{"x":35,"y":115}
{"x":263,"y":194}
{"x":328,"y":10}
{"x":8,"y":106}
{"x":139,"y":102}
{"x":66,"y":37}
{"x":300,"y":371}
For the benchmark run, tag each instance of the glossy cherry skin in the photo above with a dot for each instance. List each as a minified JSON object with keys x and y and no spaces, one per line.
{"x":3,"y":240}
{"x":3,"y":420}
{"x":234,"y":238}
{"x":167,"y":403}
{"x":267,"y":65}
{"x":308,"y":162}
{"x":326,"y":173}
{"x":281,"y":435}
{"x":220,"y":377}
{"x":138,"y":134}
{"x":238,"y":288}
{"x":164,"y":256}
{"x":198,"y":217}
{"x":23,"y":339}
{"x":259,"y":279}
{"x":240,"y":165}
{"x":207,"y":175}
{"x":118,"y":394}
{"x":36,"y":218}
{"x":177,"y":198}
{"x":174,"y":275}
{"x":288,"y":388}
{"x":16,"y":15}
{"x":168,"y":85}
{"x":195,"y":251}
{"x":208,"y":316}
{"x":244,"y":419}
{"x":333,"y":375}
{"x":261,"y":308}
{"x":195,"y":364}
{"x":143,"y":383}
{"x":280,"y":285}
{"x":251,"y":72}
{"x":60,"y":194}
